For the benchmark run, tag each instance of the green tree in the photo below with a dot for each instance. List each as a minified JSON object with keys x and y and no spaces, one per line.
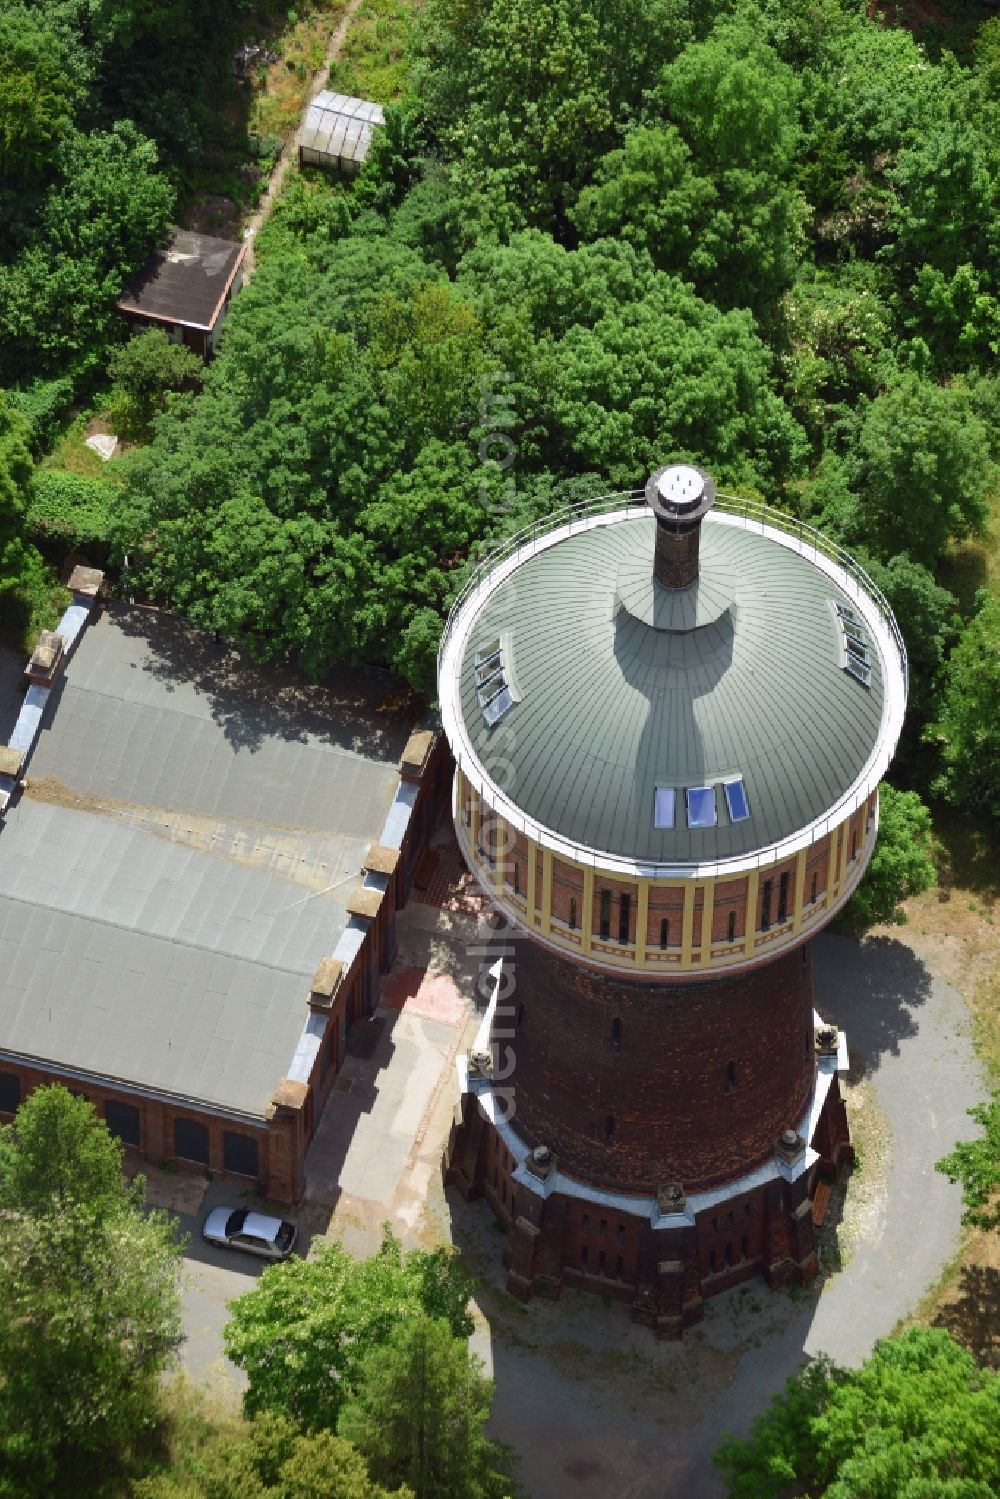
{"x":976,"y":1164}
{"x":302,"y":1333}
{"x":928,"y":617}
{"x":902,"y":863}
{"x":419,"y":1413}
{"x":89,"y":1286}
{"x":58,"y":1154}
{"x":968,"y":731}
{"x":96,"y":224}
{"x":145,"y":371}
{"x":526,"y":95}
{"x":39,"y":93}
{"x":920,"y":467}
{"x":918,"y":1418}
{"x":15,"y":477}
{"x":648,"y":193}
{"x":271,"y":1458}
{"x":736,"y":105}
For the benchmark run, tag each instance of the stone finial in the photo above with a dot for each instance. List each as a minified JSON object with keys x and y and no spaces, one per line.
{"x":364,"y":901}
{"x":381,"y":860}
{"x":86,"y":580}
{"x":480,"y":1064}
{"x":11,"y":761}
{"x":416,"y":754}
{"x":46,"y":658}
{"x":288,"y":1096}
{"x":790,"y":1146}
{"x":326,"y":981}
{"x":827,"y":1040}
{"x":540,"y":1162}
{"x":671,"y":1198}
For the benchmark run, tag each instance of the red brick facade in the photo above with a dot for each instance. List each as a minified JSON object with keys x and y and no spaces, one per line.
{"x":634,"y":1084}
{"x":663,"y":1273}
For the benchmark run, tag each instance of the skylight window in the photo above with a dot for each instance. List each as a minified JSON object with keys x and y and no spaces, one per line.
{"x":736,"y":800}
{"x":701,"y":806}
{"x":663,"y":807}
{"x":492,"y":686}
{"x":856,"y":661}
{"x":496,"y":706}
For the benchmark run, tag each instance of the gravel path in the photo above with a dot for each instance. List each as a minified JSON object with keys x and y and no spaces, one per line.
{"x":290,"y":150}
{"x":597,"y":1408}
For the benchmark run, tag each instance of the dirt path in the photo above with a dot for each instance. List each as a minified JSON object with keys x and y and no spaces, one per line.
{"x":290,"y":150}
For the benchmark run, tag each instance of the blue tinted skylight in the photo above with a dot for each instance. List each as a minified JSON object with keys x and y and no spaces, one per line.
{"x":701,"y":806}
{"x":663,"y":807}
{"x":736,"y":800}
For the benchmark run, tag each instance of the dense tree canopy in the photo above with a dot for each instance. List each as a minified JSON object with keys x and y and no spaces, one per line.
{"x":270,"y":1458}
{"x":89,"y":1285}
{"x":303,"y":1332}
{"x":976,"y":1164}
{"x":918,"y":1418}
{"x":969,"y":727}
{"x":902,"y":864}
{"x":419,"y":1413}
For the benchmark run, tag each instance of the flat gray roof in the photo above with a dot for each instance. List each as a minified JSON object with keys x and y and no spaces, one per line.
{"x":163,"y":881}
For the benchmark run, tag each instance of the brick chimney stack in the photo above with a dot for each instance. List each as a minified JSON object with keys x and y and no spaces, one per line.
{"x":680,"y":496}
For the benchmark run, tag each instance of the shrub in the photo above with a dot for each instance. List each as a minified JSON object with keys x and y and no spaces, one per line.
{"x":70,"y":510}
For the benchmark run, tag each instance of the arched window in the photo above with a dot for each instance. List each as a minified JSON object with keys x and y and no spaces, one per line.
{"x":854,"y":846}
{"x":783,"y":898}
{"x":765,"y":906}
{"x":624,"y":914}
{"x":616,"y":1034}
{"x":731,"y":928}
{"x":609,"y":1128}
{"x":730,"y":1076}
{"x":517,"y":878}
{"x":812,"y":897}
{"x":605,"y":915}
{"x":664,"y":933}
{"x":572,"y":912}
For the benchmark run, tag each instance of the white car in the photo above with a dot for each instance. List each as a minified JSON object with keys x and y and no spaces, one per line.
{"x":239,"y":1228}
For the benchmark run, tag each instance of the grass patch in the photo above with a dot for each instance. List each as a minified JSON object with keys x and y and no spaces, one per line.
{"x":374,"y":61}
{"x":72,"y":455}
{"x":282,"y":90}
{"x":255,"y":115}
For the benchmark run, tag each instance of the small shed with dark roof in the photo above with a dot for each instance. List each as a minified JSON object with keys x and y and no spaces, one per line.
{"x":185,"y":289}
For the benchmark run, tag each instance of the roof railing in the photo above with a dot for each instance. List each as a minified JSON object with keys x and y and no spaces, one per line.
{"x":754,"y":514}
